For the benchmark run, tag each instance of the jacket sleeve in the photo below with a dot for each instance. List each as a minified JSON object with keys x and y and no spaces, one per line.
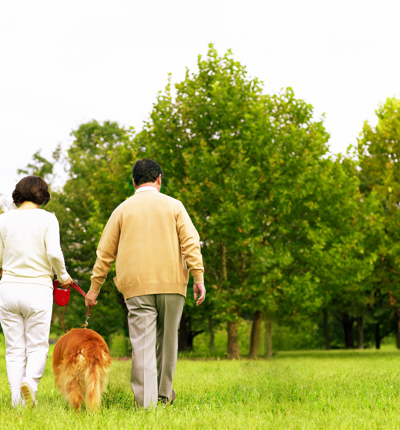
{"x":53,"y":250}
{"x":106,"y":252}
{"x":190,"y":244}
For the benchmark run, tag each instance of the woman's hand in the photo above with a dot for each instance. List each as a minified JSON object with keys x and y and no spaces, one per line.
{"x":65,"y":284}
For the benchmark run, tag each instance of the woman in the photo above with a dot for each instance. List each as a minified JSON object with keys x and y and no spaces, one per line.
{"x":29,"y":248}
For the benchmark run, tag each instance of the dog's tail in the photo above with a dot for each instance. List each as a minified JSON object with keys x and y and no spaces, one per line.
{"x":95,"y":375}
{"x":93,"y":390}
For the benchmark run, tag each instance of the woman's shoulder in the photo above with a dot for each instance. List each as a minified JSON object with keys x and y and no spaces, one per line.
{"x":23,"y":220}
{"x":50,"y":216}
{"x":46,"y":213}
{"x":41,"y":216}
{"x":6,"y":215}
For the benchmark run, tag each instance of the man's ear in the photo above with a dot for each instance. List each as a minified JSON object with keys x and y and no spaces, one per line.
{"x":159,"y":179}
{"x":134,"y":184}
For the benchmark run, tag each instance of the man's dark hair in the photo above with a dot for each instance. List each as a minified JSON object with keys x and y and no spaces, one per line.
{"x":146,"y":170}
{"x":31,"y":189}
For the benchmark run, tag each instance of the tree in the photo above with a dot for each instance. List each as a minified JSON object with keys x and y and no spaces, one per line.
{"x":344,"y":266}
{"x":245,"y":165}
{"x":379,"y":152}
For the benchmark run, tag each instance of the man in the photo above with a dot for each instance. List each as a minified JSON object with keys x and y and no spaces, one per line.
{"x":151,"y":237}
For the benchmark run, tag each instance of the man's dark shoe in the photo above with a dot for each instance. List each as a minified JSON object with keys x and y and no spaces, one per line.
{"x":167,"y":401}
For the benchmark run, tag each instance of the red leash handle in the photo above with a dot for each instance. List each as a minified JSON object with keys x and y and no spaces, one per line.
{"x":61,"y":297}
{"x":78,"y":288}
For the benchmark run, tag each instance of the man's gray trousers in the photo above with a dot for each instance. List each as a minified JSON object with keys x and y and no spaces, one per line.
{"x":153,"y":318}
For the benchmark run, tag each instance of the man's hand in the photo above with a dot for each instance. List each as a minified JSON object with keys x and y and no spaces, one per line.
{"x":65,"y":284}
{"x":90,"y":299}
{"x":199,"y":289}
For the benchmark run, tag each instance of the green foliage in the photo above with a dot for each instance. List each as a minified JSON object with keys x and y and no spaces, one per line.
{"x":40,"y":166}
{"x":119,"y":345}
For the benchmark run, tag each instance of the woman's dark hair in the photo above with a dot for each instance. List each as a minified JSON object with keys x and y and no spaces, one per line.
{"x":31,"y":189}
{"x":146,"y":170}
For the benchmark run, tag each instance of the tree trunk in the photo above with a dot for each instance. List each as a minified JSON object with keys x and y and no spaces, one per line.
{"x":255,"y":334}
{"x":211,"y":331}
{"x":326,"y":331}
{"x":268,"y":338}
{"x":377,"y":336}
{"x":233,"y":340}
{"x":360,"y":332}
{"x":223,"y":263}
{"x":348,"y":330}
{"x":185,"y":335}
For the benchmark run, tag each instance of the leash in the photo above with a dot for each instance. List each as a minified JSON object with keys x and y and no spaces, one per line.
{"x":65,"y":330}
{"x":79,"y":289}
{"x":86,"y":323}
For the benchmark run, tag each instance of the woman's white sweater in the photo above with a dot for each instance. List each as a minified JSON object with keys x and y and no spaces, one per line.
{"x":30,"y":247}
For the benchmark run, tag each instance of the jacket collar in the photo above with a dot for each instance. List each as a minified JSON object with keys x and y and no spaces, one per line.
{"x":148,"y":188}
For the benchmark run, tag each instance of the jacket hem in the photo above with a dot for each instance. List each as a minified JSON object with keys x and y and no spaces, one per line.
{"x":46,"y":281}
{"x":152,"y":288}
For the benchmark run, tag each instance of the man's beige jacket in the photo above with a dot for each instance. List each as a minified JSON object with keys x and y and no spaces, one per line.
{"x":151,"y":237}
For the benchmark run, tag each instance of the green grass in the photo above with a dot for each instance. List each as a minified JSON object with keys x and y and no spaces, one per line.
{"x":294,"y":390}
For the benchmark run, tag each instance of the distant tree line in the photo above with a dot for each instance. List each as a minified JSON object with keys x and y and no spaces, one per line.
{"x":290,"y":233}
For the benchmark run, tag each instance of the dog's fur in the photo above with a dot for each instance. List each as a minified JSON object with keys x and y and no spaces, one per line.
{"x":80,"y":362}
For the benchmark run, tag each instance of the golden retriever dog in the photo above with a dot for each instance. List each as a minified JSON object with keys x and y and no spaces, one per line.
{"x":80,"y":363}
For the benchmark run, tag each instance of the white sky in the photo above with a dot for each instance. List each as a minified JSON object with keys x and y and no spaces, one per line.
{"x":63,"y":63}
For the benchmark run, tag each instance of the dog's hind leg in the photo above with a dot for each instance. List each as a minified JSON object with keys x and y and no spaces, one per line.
{"x":68,"y":381}
{"x":74,"y":393}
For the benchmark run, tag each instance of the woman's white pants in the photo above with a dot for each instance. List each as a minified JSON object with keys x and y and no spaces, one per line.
{"x":25,"y":315}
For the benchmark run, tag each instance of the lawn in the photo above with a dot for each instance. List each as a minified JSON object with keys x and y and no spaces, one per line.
{"x":294,"y":390}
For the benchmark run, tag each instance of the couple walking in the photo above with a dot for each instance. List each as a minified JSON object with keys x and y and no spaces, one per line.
{"x":150,"y":236}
